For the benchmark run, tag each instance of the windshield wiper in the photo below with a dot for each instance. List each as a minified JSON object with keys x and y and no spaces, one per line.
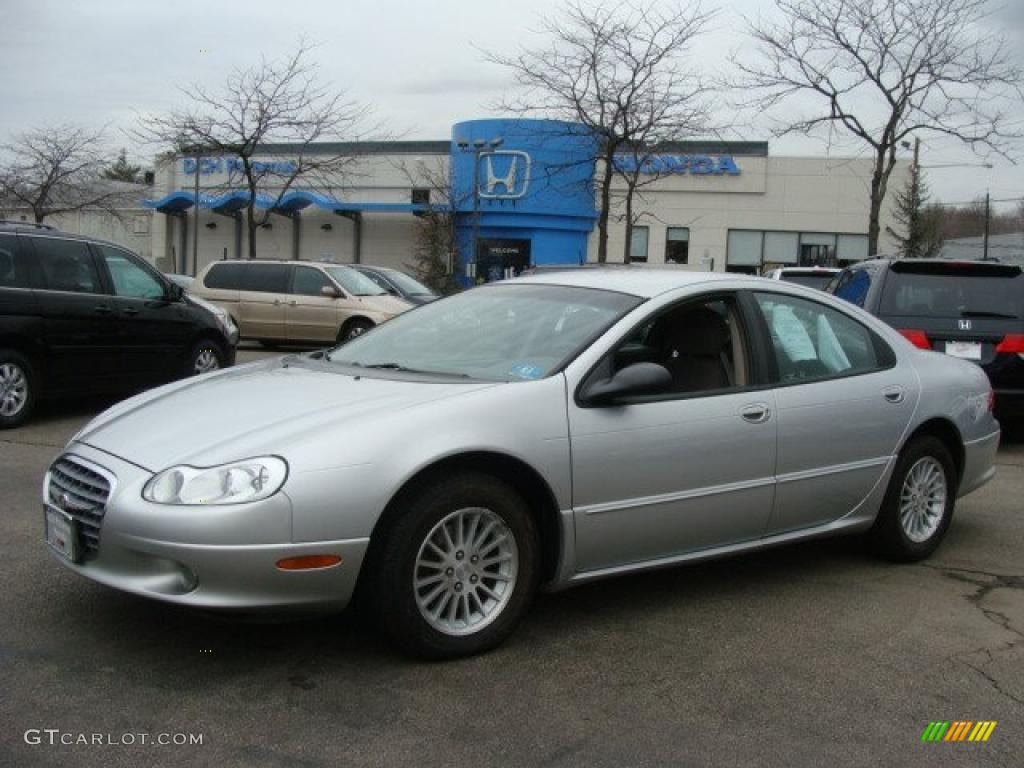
{"x":405,"y":369}
{"x":985,"y":313}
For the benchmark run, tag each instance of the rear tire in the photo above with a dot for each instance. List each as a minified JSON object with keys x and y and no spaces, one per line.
{"x":18,"y":386}
{"x":466,"y":541}
{"x":918,"y":504}
{"x":205,"y":357}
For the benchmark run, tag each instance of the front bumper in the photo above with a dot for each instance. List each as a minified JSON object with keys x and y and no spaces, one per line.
{"x":979,"y":463}
{"x":209,"y":557}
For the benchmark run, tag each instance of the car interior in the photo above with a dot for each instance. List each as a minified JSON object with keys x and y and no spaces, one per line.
{"x":699,"y":343}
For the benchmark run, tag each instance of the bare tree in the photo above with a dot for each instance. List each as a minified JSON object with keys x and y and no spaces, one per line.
{"x":436,"y":244}
{"x":273,"y":102}
{"x":58,"y":170}
{"x":881,"y":70}
{"x":616,"y":68}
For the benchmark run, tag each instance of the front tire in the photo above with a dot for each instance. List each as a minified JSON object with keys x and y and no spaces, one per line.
{"x":458,"y":569}
{"x":205,"y":357}
{"x":17,"y":388}
{"x":918,"y":505}
{"x":354,"y":328}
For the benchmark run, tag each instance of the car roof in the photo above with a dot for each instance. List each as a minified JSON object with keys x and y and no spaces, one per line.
{"x":808,"y":270}
{"x":646,"y":282}
{"x":303,"y":262}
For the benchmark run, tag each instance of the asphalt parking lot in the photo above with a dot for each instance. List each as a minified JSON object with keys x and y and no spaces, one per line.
{"x":814,"y":654}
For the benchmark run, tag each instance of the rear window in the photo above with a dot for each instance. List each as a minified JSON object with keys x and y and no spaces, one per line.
{"x":811,"y":279}
{"x":227,"y":277}
{"x":953,"y":290}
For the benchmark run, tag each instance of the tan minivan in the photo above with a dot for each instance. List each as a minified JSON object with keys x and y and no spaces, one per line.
{"x":300,"y":301}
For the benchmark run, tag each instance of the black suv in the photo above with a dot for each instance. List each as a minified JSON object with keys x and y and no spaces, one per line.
{"x":968,"y":309}
{"x":79,"y":315}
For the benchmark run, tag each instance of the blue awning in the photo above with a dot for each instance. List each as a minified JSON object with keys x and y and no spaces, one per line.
{"x":290,"y":202}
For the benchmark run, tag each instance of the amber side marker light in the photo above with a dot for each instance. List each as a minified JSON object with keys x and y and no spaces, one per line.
{"x":308,"y":562}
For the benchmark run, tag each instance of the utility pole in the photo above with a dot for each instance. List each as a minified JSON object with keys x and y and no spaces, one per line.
{"x":988,"y":217}
{"x":195,"y":226}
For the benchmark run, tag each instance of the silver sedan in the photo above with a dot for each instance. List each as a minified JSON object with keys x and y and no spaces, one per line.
{"x":543,"y":431}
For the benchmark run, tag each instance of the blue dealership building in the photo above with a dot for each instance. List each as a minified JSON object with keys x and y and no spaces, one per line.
{"x":520,"y":193}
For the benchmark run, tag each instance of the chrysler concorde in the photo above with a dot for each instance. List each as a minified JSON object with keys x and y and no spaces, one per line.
{"x":537,"y":432}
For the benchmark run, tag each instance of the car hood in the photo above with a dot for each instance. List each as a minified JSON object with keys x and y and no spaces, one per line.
{"x":383,"y":303}
{"x":251,"y":410}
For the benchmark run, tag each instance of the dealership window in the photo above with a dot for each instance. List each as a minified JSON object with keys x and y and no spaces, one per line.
{"x":750,"y":250}
{"x":817,"y":249}
{"x":677,"y":245}
{"x":744,"y":248}
{"x":638,"y":240}
{"x":781,"y":247}
{"x":851,"y":248}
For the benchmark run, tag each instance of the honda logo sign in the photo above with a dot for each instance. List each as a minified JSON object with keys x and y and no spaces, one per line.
{"x":506,"y":174}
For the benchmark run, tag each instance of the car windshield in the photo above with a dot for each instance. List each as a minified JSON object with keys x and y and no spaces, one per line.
{"x":495,"y":332}
{"x":355,"y":282}
{"x":407,"y":284}
{"x":954,"y":290}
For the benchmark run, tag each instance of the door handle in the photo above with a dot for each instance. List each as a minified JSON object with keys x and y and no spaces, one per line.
{"x":894,"y":395}
{"x":131,"y":312}
{"x":756,"y":413}
{"x":277,"y":302}
{"x":293,"y":303}
{"x":102,"y":309}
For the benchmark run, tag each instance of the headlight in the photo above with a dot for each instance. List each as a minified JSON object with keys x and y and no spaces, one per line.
{"x":235,"y":483}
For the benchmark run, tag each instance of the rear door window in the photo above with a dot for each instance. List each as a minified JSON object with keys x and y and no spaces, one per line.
{"x":13,"y":269}
{"x":266,"y":278}
{"x":811,"y":341}
{"x":66,"y":265}
{"x":953,"y":290}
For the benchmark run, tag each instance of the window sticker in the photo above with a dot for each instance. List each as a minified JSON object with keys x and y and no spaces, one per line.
{"x":526,"y":371}
{"x":792,"y":334}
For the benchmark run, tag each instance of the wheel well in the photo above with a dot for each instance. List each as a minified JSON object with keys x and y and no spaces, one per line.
{"x":947,"y":432}
{"x":356,"y":319}
{"x":29,"y":349}
{"x":517,"y":474}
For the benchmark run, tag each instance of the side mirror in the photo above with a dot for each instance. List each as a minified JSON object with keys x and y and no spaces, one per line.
{"x":173,"y":292}
{"x":635,"y":379}
{"x":330,"y":291}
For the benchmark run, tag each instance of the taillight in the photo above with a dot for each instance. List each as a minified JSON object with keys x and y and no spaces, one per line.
{"x":917,"y":338}
{"x":1012,"y":342}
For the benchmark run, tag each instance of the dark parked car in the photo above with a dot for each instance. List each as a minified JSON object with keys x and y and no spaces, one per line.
{"x":968,"y":309}
{"x":398,"y":283}
{"x":79,"y":315}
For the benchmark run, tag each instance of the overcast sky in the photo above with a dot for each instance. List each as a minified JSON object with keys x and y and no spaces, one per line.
{"x":100,"y":62}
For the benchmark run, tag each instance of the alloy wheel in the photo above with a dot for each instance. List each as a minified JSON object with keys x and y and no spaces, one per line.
{"x":206,"y":361}
{"x":465,"y":571}
{"x":923,"y":499}
{"x":13,"y":389}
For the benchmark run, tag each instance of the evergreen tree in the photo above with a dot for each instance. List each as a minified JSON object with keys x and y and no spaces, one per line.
{"x":921,"y":236}
{"x":122,"y":170}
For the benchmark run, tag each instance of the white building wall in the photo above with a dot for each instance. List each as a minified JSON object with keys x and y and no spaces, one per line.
{"x":792,"y":194}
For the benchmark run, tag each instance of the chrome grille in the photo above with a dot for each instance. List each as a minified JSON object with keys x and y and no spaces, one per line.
{"x":82,"y":493}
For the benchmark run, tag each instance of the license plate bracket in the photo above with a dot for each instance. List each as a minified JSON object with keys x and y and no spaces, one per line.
{"x":62,"y":534}
{"x":967,"y":350}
